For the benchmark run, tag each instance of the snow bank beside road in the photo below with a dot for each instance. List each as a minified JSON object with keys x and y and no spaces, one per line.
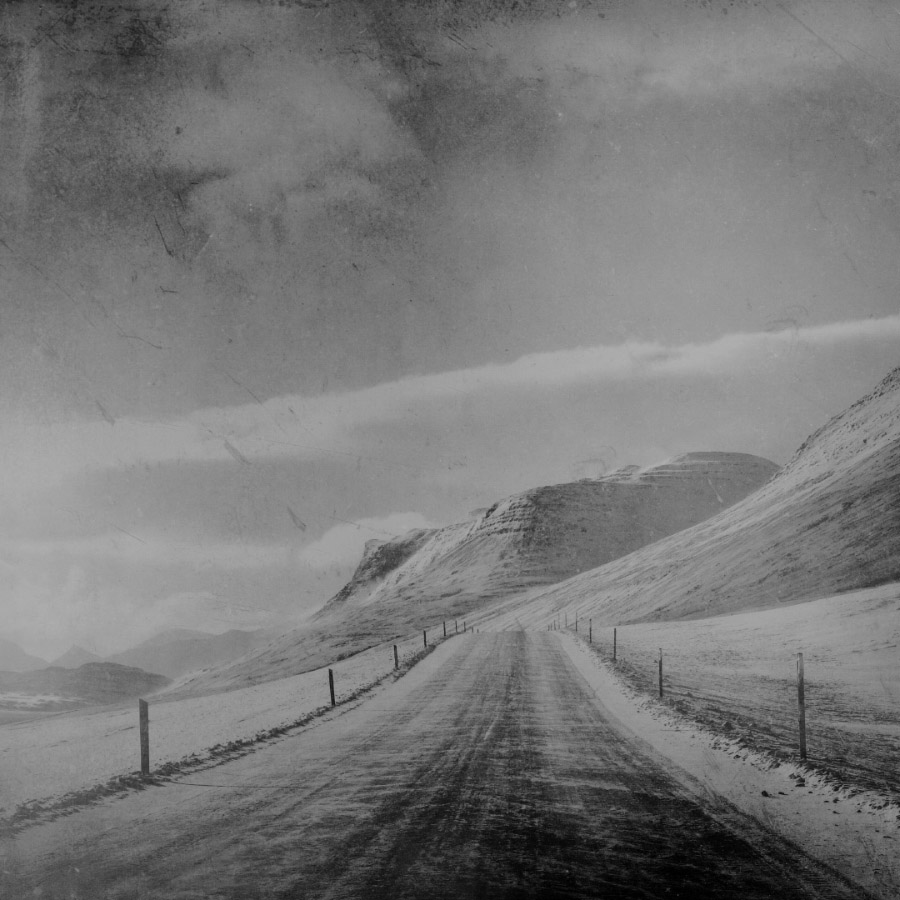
{"x":737,"y":674}
{"x":855,"y":832}
{"x":45,"y":758}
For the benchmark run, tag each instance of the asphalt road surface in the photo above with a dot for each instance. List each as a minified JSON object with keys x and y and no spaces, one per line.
{"x":490,"y":771}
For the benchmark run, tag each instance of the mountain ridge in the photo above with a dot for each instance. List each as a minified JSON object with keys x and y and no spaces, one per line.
{"x":56,"y":687}
{"x":551,"y":532}
{"x":827,"y":523}
{"x":180,"y":651}
{"x":531,"y":539}
{"x":74,"y":657}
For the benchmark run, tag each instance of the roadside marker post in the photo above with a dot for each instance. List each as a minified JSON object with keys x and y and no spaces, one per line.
{"x":445,"y":629}
{"x":396,"y":658}
{"x":590,"y":631}
{"x":614,"y":644}
{"x":660,"y":673}
{"x":331,"y":685}
{"x":576,"y":623}
{"x":801,"y":705}
{"x":425,"y":638}
{"x":144,"y":720}
{"x":456,"y":626}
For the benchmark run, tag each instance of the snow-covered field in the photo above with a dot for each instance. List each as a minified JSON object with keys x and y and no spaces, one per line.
{"x":854,"y":831}
{"x":54,"y":755}
{"x":738,"y":675}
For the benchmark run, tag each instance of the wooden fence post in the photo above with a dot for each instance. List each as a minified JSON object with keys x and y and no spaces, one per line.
{"x":576,"y":623}
{"x":424,"y":638}
{"x":590,"y":631}
{"x":660,"y":673}
{"x":801,"y":704}
{"x":445,"y":629}
{"x":456,"y":626}
{"x":396,"y":659}
{"x":464,"y":626}
{"x":614,"y":644}
{"x":331,"y":685}
{"x":144,"y":720}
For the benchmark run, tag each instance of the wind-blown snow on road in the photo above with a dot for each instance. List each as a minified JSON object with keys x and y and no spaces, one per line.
{"x":492,"y":770}
{"x":42,"y":760}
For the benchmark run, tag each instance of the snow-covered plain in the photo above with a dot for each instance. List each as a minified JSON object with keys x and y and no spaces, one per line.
{"x":47,"y":757}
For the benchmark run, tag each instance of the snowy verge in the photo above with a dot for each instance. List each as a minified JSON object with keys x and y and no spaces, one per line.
{"x":855,"y":832}
{"x":198,"y":734}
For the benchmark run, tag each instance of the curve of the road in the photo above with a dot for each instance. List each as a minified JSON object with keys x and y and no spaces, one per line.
{"x":491,"y":771}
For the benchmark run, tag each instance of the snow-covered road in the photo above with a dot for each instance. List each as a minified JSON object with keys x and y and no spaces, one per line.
{"x":493,"y":769}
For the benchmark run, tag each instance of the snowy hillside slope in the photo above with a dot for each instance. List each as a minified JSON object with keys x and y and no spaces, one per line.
{"x":551,"y":533}
{"x":827,"y":523}
{"x":536,"y":538}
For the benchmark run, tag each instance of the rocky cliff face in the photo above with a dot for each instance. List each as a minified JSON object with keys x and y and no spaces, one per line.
{"x":380,"y":558}
{"x":550,"y":533}
{"x":828,"y":523}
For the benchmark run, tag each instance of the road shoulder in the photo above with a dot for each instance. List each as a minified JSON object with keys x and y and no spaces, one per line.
{"x":856,"y":833}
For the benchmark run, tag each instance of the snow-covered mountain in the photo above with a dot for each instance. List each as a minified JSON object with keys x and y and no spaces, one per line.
{"x":548,"y":534}
{"x":828,"y":523}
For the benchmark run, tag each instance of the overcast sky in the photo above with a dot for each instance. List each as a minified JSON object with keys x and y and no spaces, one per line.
{"x":279,"y":278}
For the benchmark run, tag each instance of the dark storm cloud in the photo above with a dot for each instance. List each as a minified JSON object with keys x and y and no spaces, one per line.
{"x":385,"y":262}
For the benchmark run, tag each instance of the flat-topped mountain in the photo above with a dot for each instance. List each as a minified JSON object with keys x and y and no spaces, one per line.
{"x":548,"y":534}
{"x":828,"y":523}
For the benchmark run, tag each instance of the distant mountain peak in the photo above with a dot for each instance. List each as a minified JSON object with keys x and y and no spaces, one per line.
{"x":14,"y":659}
{"x":178,"y":651}
{"x":74,"y":657}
